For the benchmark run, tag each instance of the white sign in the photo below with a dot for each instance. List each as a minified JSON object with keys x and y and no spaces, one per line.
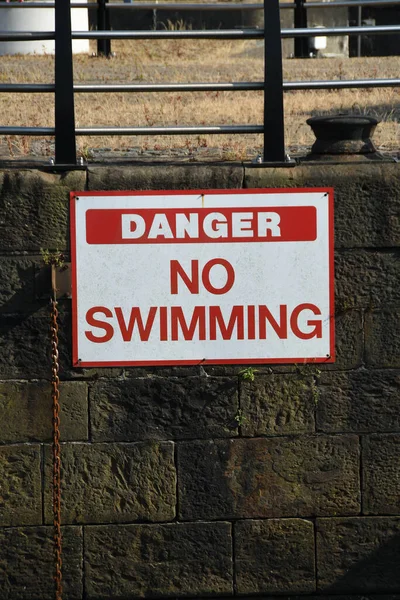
{"x":197,"y":277}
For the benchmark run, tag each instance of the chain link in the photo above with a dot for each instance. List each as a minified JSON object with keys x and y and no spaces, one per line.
{"x":55,"y":394}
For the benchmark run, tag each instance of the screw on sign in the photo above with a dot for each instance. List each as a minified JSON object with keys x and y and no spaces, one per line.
{"x":220,"y":276}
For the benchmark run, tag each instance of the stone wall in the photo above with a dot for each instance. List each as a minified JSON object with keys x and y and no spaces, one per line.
{"x":191,"y":481}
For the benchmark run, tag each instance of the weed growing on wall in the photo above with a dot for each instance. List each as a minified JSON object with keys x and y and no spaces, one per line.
{"x":50,"y":257}
{"x":240,"y":418}
{"x":247,"y":374}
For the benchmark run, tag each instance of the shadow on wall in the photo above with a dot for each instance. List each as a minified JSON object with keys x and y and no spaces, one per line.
{"x":358,"y":555}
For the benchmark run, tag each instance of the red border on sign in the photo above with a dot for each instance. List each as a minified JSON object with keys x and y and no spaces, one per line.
{"x":331,"y":274}
{"x":74,"y":282}
{"x":76,"y":362}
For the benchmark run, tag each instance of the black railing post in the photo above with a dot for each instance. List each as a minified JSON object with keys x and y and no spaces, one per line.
{"x":103,"y":24}
{"x":274,"y":136}
{"x":64,"y":86}
{"x":300,"y":20}
{"x":359,"y":23}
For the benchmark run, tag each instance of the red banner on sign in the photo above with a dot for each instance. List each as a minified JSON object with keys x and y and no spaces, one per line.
{"x":163,"y":226}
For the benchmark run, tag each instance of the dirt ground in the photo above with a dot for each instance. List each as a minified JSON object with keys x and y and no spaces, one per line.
{"x":192,"y":61}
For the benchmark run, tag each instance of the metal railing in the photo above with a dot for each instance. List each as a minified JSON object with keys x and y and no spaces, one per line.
{"x":273,"y":85}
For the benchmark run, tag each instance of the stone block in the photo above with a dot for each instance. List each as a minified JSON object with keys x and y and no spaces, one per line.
{"x":159,"y":371}
{"x":165,"y":177}
{"x":359,"y":555}
{"x":269,"y":477}
{"x":27,"y":563}
{"x":359,"y":401}
{"x":274,"y":556}
{"x":17,"y":284}
{"x":26,"y":411}
{"x":366,"y":279}
{"x":24,"y":347}
{"x":163,"y":408}
{"x":382,"y":338}
{"x":367,"y":197}
{"x":20,"y":486}
{"x":111,"y":483}
{"x":277,"y":405}
{"x":381,"y":474}
{"x":348,"y":341}
{"x":34,"y":209}
{"x":176,"y":559}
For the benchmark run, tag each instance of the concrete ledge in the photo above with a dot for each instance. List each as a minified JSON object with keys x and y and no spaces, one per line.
{"x":165,"y":177}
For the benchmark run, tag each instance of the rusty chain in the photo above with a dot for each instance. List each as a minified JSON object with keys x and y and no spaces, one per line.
{"x":56,"y":451}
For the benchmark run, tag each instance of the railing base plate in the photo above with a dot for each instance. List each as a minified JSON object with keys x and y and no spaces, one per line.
{"x":263,"y":164}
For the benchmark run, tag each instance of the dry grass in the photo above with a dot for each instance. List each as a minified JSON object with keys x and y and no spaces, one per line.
{"x":188,"y":61}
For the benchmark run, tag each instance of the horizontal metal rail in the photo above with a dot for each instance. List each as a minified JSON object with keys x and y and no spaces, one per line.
{"x":227,"y":34}
{"x":36,"y":5}
{"x":153,"y":5}
{"x":329,"y":31}
{"x":200,"y":6}
{"x":191,"y":6}
{"x":238,"y":6}
{"x":222,"y":34}
{"x":202,"y":34}
{"x":40,"y":131}
{"x":340,"y":84}
{"x":239,"y":86}
{"x":27,"y":88}
{"x":26,"y":36}
{"x":350,"y":3}
{"x":175,"y":130}
{"x":232,"y":34}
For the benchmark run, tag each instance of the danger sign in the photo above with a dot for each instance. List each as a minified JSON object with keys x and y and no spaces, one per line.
{"x":207,"y":276}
